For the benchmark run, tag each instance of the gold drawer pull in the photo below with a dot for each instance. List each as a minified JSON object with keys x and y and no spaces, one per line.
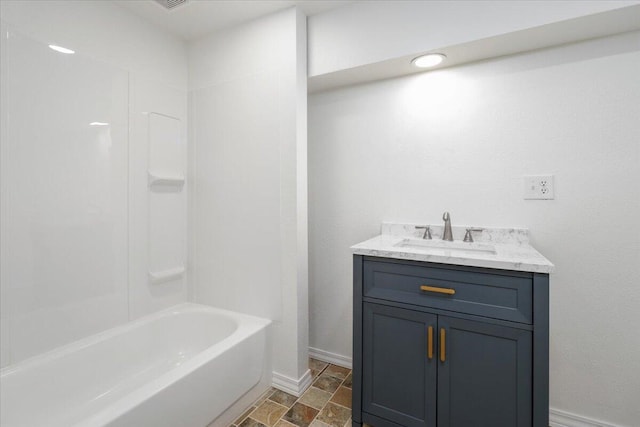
{"x":430,"y":343}
{"x":447,"y":291}
{"x":443,"y":353}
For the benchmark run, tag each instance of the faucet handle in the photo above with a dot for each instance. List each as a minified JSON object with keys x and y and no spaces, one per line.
{"x":427,"y":231}
{"x":468,"y":237}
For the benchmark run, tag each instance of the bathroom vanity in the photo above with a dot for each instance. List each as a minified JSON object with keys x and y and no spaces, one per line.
{"x":450,"y":334}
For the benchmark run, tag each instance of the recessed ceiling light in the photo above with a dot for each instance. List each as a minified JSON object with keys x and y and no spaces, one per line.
{"x":98,"y":124}
{"x":429,"y":60}
{"x":170,"y":4}
{"x":62,"y":49}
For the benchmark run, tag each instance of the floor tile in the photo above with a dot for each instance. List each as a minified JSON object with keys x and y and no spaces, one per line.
{"x":283,"y":398}
{"x":268,"y":413}
{"x":264,"y":396}
{"x":337,"y":371}
{"x":348,"y":382}
{"x":334,"y":415}
{"x":300,"y":415}
{"x":242,"y":417}
{"x":342,"y":396}
{"x":326,"y":403}
{"x":317,"y":365}
{"x":327,"y":383}
{"x":315,"y":397}
{"x":249,"y":422}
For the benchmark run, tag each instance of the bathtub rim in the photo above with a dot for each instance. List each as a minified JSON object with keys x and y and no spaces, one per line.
{"x":92,"y":339}
{"x":247,"y":326}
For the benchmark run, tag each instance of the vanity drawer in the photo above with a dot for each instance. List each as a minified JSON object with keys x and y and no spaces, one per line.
{"x":505,"y":296}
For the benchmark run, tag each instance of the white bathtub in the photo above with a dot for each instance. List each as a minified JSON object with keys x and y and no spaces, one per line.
{"x":180,"y":367}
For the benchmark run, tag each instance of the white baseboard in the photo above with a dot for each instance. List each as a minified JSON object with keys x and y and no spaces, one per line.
{"x":292,"y":385}
{"x":326,"y":356}
{"x":558,"y":418}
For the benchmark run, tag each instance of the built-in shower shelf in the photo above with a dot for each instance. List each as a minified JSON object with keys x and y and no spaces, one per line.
{"x":165,"y":180}
{"x":166,"y":275}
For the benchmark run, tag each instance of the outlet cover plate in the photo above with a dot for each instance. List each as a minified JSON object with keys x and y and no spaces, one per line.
{"x":538,"y":187}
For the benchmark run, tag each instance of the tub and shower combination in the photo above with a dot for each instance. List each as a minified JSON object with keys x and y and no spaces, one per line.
{"x":183,"y":366}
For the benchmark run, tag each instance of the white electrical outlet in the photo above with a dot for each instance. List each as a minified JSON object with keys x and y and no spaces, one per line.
{"x":538,"y":187}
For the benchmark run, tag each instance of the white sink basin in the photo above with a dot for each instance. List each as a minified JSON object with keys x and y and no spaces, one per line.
{"x":444,"y":246}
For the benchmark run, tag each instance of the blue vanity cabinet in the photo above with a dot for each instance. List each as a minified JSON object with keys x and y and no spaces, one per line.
{"x":484,"y":374}
{"x":449,"y":354}
{"x":399,"y":365}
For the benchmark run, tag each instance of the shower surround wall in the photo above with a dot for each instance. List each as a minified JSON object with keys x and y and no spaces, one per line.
{"x":248,"y":212}
{"x":78,"y":216}
{"x":75,"y":202}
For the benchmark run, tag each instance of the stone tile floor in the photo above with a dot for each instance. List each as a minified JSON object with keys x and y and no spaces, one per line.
{"x":326,"y":403}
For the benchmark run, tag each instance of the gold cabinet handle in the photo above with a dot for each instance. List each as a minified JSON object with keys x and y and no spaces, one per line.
{"x":430,"y":343}
{"x":443,"y":352}
{"x":447,"y":291}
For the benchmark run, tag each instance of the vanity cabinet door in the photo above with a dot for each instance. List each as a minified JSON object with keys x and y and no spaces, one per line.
{"x":399,"y":377}
{"x":484,"y":374}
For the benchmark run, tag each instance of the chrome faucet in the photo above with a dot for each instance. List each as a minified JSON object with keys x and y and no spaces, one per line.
{"x":468,"y":237}
{"x":447,"y":235}
{"x":427,"y":231}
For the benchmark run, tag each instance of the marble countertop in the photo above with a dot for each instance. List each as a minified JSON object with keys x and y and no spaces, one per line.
{"x":502,"y":248}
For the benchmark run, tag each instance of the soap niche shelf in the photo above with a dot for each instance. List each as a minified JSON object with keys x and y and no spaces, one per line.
{"x":166,"y":201}
{"x":165,"y":180}
{"x":156,"y":277}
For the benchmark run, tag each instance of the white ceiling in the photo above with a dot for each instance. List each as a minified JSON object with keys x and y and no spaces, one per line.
{"x":199,"y":17}
{"x":603,"y":24}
